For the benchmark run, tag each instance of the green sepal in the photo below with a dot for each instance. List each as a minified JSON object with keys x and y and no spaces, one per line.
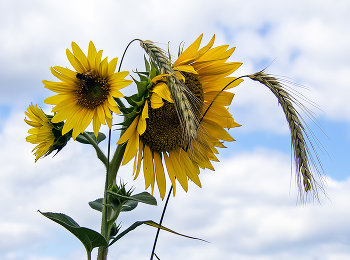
{"x":144,"y":76}
{"x":142,"y":85}
{"x":82,"y":139}
{"x":143,"y":197}
{"x":149,"y":223}
{"x":147,"y":66}
{"x":131,"y":99}
{"x":127,"y":206}
{"x":154,"y":71}
{"x":97,"y":204}
{"x":114,"y":230}
{"x":88,"y":237}
{"x":141,"y":102}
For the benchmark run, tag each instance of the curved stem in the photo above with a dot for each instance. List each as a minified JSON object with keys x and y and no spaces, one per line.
{"x":100,"y":154}
{"x":211,"y":103}
{"x":160,"y":222}
{"x":121,"y":61}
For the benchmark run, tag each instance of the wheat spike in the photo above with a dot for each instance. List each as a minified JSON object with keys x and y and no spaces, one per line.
{"x":178,"y":90}
{"x":302,"y":154}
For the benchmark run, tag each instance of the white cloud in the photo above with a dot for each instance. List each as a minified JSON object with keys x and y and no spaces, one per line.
{"x":244,"y":208}
{"x":310,"y":44}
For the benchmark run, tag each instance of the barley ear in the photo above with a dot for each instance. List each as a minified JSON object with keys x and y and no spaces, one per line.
{"x":303,"y":158}
{"x":188,"y":118}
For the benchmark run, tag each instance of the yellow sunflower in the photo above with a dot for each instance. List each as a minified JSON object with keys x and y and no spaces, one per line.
{"x":155,"y":135}
{"x":86,"y":93}
{"x":47,"y":135}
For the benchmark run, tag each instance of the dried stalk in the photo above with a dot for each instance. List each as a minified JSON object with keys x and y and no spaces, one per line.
{"x":302,"y":155}
{"x":188,"y":118}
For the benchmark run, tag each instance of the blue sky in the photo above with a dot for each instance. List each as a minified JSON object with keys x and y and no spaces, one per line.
{"x":248,"y":207}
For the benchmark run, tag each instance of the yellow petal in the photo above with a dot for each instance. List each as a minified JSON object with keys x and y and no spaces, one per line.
{"x":223,"y":69}
{"x":171,"y":171}
{"x":58,"y":87}
{"x":79,"y":54}
{"x":92,"y":55}
{"x":129,"y":131}
{"x":75,"y":62}
{"x":214,"y":129}
{"x":156,"y":101}
{"x":222,"y":97}
{"x":186,"y":68}
{"x":160,"y":177}
{"x":118,"y":75}
{"x":219,"y":84}
{"x":141,"y":127}
{"x":131,"y":148}
{"x":53,"y":100}
{"x":103,"y":70}
{"x":188,"y":54}
{"x":163,"y":91}
{"x":179,"y":170}
{"x":138,"y":162}
{"x":148,"y":168}
{"x":63,"y":77}
{"x":96,"y":123}
{"x":191,"y":171}
{"x":112,"y":65}
{"x":98,"y":60}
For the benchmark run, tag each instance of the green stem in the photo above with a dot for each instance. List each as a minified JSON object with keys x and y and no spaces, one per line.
{"x":111,"y":174}
{"x":102,"y":251}
{"x":160,"y":223}
{"x":119,"y":152}
{"x":99,"y":153}
{"x":116,"y":161}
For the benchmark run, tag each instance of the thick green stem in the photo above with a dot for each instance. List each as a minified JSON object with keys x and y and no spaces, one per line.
{"x":99,"y":153}
{"x":116,"y":161}
{"x":102,"y":252}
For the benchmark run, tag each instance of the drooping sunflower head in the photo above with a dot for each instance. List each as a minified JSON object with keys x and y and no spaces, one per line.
{"x":87,"y":93}
{"x":155,"y":134}
{"x":47,"y":135}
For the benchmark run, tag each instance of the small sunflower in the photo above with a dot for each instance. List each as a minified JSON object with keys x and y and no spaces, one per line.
{"x":155,"y":133}
{"x":88,"y":92}
{"x":47,"y":135}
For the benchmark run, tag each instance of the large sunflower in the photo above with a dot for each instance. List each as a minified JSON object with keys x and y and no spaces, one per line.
{"x":46,"y":135}
{"x":155,"y":134}
{"x":86,"y":93}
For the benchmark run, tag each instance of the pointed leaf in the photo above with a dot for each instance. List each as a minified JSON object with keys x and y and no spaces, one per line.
{"x":129,"y":205}
{"x":97,"y":204}
{"x":82,"y":139}
{"x":143,"y":197}
{"x":88,"y":237}
{"x":149,"y":223}
{"x":146,"y":63}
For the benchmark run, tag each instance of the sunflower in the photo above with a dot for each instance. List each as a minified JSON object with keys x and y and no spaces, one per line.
{"x":155,"y":134}
{"x":47,"y":135}
{"x":86,"y":93}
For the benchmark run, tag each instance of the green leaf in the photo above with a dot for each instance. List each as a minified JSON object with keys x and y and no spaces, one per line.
{"x":97,"y":204}
{"x":88,"y":237}
{"x":143,"y":197}
{"x":100,"y":137}
{"x":146,"y":63}
{"x":129,"y":205}
{"x":149,"y":223}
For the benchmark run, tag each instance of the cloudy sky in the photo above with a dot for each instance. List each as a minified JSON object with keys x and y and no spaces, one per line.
{"x":248,"y":208}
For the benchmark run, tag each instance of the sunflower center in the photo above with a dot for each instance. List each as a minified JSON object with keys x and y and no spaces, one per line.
{"x":163,"y":132}
{"x":92,"y":91}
